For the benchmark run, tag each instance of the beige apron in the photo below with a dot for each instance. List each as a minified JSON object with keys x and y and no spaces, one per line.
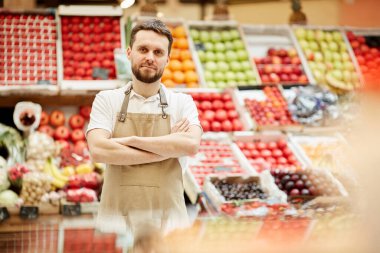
{"x":147,"y":194}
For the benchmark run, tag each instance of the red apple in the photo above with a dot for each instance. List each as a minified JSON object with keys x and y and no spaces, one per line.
{"x":227,"y":126}
{"x":85,"y":111}
{"x":80,"y":147}
{"x":205,"y":125}
{"x":62,"y":133}
{"x":64,"y":144}
{"x":216,"y":126}
{"x":57,"y":118}
{"x":47,"y":130}
{"x":44,"y":119}
{"x":77,"y":135}
{"x":76,"y":121}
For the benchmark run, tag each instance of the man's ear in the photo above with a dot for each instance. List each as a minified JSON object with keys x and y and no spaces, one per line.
{"x":129,"y":50}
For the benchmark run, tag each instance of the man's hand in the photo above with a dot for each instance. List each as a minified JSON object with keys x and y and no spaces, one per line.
{"x":181,"y":126}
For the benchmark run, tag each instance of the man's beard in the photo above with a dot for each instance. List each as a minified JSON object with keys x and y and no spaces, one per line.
{"x":146,"y":78}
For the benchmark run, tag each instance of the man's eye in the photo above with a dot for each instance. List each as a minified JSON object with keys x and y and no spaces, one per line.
{"x":158,"y":52}
{"x":143,"y":50}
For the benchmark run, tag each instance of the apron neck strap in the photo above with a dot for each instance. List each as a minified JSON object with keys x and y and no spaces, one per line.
{"x":124,"y":108}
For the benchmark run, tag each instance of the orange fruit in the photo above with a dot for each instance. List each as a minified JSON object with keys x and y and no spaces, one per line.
{"x":185,"y":55}
{"x":167,"y":74}
{"x":175,"y":54}
{"x":175,"y":43}
{"x":169,"y":83}
{"x":179,"y":32}
{"x":175,"y":65}
{"x":182,"y":43}
{"x":191,"y":76}
{"x":178,"y":77}
{"x":192,"y":85}
{"x":188,"y":65}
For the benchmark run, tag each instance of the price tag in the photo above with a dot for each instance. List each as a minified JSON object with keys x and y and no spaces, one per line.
{"x":29,"y":212}
{"x":100,"y":72}
{"x":4,"y":214}
{"x":44,"y":82}
{"x":71,"y":210}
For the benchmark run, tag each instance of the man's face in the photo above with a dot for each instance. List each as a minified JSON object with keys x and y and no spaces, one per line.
{"x":148,"y":56}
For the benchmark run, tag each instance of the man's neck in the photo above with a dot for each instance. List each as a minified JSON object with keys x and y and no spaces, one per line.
{"x":145,"y":89}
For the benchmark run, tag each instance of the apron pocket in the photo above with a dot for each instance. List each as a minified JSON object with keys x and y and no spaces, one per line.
{"x":139,"y":200}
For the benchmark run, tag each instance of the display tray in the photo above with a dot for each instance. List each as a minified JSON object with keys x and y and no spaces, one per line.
{"x":329,"y":57}
{"x":276,"y":55}
{"x":86,"y":59}
{"x":266,"y":109}
{"x":217,"y":155}
{"x":253,"y":145}
{"x":267,"y":193}
{"x":222,"y":52}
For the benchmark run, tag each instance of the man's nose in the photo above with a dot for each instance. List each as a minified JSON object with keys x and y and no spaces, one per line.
{"x":149,"y":56}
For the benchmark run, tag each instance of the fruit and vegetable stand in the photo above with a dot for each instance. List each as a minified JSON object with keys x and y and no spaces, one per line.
{"x":271,"y":101}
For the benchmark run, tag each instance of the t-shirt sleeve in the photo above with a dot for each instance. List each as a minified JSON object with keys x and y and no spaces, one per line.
{"x":189,"y":111}
{"x":101,"y":114}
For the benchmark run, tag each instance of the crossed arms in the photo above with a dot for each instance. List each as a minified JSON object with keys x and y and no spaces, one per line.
{"x":183,"y":140}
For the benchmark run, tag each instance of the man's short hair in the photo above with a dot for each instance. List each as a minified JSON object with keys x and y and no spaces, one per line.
{"x":154,"y":25}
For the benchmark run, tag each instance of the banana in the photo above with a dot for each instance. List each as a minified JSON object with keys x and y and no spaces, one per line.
{"x":50,"y":169}
{"x":57,"y":173}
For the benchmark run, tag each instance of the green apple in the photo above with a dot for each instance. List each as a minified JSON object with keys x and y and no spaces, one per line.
{"x":250,"y":75}
{"x":194,"y":34}
{"x":220,"y":56}
{"x":208,"y":76}
{"x":231,"y":56}
{"x":201,"y":55}
{"x":218,"y":76}
{"x":230,"y":76}
{"x":234,"y":34}
{"x":310,"y":35}
{"x":354,"y":77}
{"x":215,"y":36}
{"x":333,"y":46}
{"x":318,"y":57}
{"x":211,"y":66}
{"x":245,"y":65}
{"x":328,"y":56}
{"x":336,"y":56}
{"x":300,"y":33}
{"x":210,"y":56}
{"x":304,"y":44}
{"x":338,"y":65}
{"x":319,"y":35}
{"x":348,"y":65}
{"x":228,"y":45}
{"x":226,"y":36}
{"x":242,"y":55}
{"x":312,"y":65}
{"x":223,"y":66}
{"x":322,"y":67}
{"x":211,"y":84}
{"x":221,"y":84}
{"x":342,"y":47}
{"x":337,"y":36}
{"x":337,"y":74}
{"x":347,"y":77}
{"x":204,"y":36}
{"x":314,"y":46}
{"x":209,"y":46}
{"x":240,"y":77}
{"x":328,"y":37}
{"x":219,"y":47}
{"x":318,"y":75}
{"x":235,"y":66}
{"x":345,"y":56}
{"x":238,"y":44}
{"x":323,"y":45}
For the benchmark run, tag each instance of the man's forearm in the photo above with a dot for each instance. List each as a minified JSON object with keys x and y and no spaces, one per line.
{"x":172,"y":145}
{"x":111,"y":152}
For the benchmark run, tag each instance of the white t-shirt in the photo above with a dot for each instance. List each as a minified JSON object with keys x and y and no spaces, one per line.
{"x":108,"y":103}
